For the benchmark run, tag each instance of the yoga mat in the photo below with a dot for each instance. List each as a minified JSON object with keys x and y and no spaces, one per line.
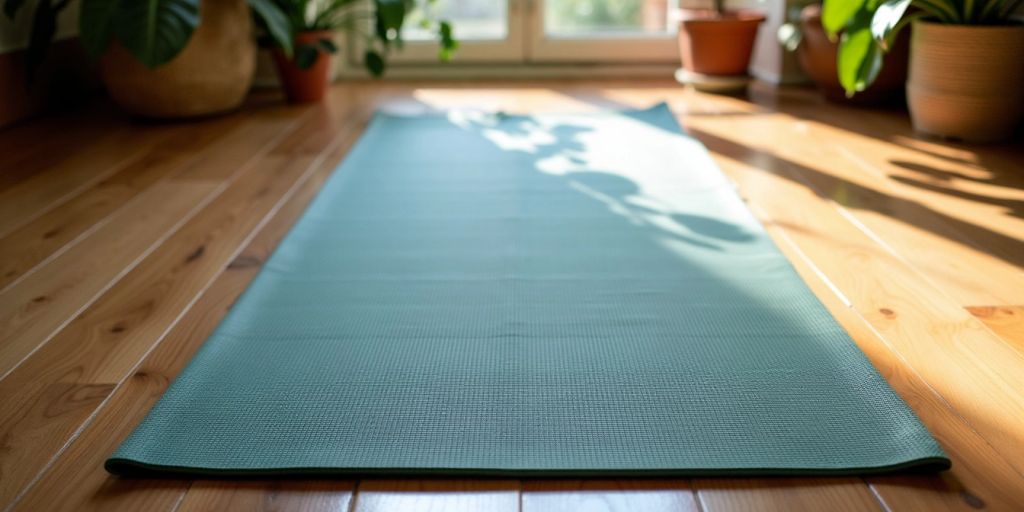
{"x":557,"y":295}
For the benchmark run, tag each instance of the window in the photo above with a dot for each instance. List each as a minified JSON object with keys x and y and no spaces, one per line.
{"x":552,"y":31}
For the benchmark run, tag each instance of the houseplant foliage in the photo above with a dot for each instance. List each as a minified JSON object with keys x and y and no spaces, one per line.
{"x":716,"y":45}
{"x":304,"y":68}
{"x":868,"y":28}
{"x":817,"y":53}
{"x":154,"y":32}
{"x":965,"y":60}
{"x":180,"y":58}
{"x":379,"y":22}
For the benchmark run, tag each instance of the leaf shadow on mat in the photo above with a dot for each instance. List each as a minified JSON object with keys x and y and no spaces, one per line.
{"x":621,"y":193}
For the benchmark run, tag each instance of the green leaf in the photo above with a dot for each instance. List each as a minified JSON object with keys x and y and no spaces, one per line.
{"x":328,"y":45}
{"x":885,"y":24}
{"x":1009,"y":7}
{"x":44,"y":26}
{"x":446,"y":35}
{"x":860,"y":57}
{"x":990,"y":8}
{"x":306,"y":55}
{"x":11,"y":7}
{"x":835,"y":14}
{"x":390,"y":18}
{"x":374,"y":62}
{"x":96,"y":24}
{"x":943,"y":10}
{"x":155,"y":31}
{"x":276,"y":23}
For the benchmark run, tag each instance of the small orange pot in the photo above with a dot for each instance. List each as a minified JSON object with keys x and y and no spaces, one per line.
{"x":305,"y":85}
{"x":718,"y":44}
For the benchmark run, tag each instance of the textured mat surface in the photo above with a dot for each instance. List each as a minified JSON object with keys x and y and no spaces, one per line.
{"x":549,"y":295}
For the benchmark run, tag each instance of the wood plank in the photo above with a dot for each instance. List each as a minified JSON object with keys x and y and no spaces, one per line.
{"x":29,"y":148}
{"x":969,"y":366}
{"x":785,"y":495}
{"x":797,"y":220}
{"x":412,"y":495}
{"x":31,"y":244}
{"x":977,"y":469}
{"x":76,"y":477}
{"x":597,"y":495}
{"x":102,"y":344}
{"x":58,"y":228}
{"x":45,"y":190}
{"x":939,"y":493}
{"x":37,"y":306}
{"x":1006,"y":321}
{"x":943,"y":228}
{"x":269,"y":495}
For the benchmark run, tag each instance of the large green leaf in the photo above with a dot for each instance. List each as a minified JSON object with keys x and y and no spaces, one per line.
{"x":306,"y":55}
{"x":860,"y":57}
{"x":835,"y":14}
{"x":44,"y":26}
{"x":155,"y":31}
{"x":374,"y":62}
{"x":96,"y":24}
{"x":446,"y":37}
{"x":944,"y":11}
{"x":390,"y":18}
{"x":11,"y":7}
{"x":276,"y":23}
{"x":886,"y":22}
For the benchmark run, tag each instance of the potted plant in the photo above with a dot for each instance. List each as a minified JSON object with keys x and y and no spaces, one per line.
{"x":185,"y":58}
{"x":165,"y":58}
{"x":818,"y":53}
{"x":716,"y":44}
{"x":304,"y":73}
{"x":966,"y":72}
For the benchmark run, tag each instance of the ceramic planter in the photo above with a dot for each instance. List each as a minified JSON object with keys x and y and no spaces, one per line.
{"x":310,"y":84}
{"x":817,"y":56}
{"x":212,"y":73}
{"x":966,"y":82}
{"x":713,"y":44}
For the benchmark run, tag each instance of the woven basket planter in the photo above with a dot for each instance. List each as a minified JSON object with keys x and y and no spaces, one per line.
{"x":966,"y":82}
{"x":212,"y":73}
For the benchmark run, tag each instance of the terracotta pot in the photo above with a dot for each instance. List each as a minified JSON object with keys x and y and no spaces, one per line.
{"x":212,"y":73}
{"x":713,"y":44}
{"x":966,"y":82}
{"x":310,"y":84}
{"x":817,"y":55}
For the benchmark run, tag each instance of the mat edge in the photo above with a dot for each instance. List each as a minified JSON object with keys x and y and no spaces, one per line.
{"x":128,"y":468}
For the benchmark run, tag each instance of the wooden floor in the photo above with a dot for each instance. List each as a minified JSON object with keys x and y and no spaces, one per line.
{"x":122,"y":244}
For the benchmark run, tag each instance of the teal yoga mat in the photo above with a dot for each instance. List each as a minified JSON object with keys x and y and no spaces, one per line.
{"x":528,"y":295}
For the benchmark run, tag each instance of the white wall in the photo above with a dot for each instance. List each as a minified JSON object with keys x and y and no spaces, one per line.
{"x":14,"y":34}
